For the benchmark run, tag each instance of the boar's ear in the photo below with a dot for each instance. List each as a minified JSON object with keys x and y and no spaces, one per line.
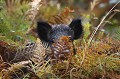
{"x":76,"y":26}
{"x":43,"y":29}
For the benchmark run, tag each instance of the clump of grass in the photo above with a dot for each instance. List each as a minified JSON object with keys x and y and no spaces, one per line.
{"x":89,"y":62}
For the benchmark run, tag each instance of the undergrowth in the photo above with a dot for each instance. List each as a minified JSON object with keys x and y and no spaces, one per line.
{"x":97,"y":53}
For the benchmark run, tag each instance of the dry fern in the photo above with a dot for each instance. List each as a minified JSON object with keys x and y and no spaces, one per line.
{"x":62,"y":49}
{"x":63,"y":18}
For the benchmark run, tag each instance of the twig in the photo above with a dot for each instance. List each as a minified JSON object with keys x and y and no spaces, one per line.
{"x":109,"y":19}
{"x":94,"y":32}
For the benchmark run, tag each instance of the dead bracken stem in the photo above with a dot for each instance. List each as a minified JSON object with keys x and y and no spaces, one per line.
{"x":93,"y":4}
{"x":35,"y":6}
{"x":84,"y":53}
{"x":95,"y":31}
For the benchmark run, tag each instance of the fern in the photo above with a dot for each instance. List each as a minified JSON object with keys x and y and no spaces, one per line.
{"x":13,"y":25}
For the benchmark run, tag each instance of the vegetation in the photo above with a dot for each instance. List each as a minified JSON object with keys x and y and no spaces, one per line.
{"x":97,"y":51}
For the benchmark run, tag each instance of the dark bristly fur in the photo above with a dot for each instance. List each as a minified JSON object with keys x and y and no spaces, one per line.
{"x":43,"y":29}
{"x":60,"y":30}
{"x":76,"y":26}
{"x":49,"y":34}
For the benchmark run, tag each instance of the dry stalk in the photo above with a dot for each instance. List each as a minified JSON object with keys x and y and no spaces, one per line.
{"x":93,"y":4}
{"x":33,"y":12}
{"x":95,"y":31}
